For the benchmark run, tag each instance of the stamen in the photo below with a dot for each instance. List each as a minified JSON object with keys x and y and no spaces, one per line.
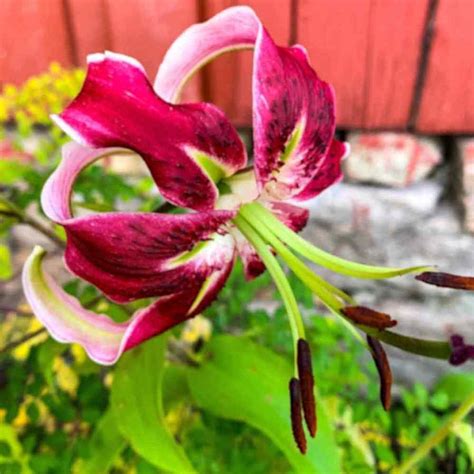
{"x":317,"y":255}
{"x":447,"y":280}
{"x":305,"y":374}
{"x":383,"y":368}
{"x":368,"y":317}
{"x":296,"y":419}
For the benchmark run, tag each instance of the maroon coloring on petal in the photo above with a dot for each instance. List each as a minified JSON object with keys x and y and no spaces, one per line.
{"x":383,"y":368}
{"x":287,"y":93}
{"x":292,"y":216}
{"x":117,"y":107}
{"x":296,"y":418}
{"x":368,"y":317}
{"x":329,"y":172}
{"x":129,"y":255}
{"x":171,"y":310}
{"x":447,"y":280}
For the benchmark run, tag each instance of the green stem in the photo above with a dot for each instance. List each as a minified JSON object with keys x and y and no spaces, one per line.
{"x":319,"y":256}
{"x":278,"y":276}
{"x":442,"y":432}
{"x":24,"y":218}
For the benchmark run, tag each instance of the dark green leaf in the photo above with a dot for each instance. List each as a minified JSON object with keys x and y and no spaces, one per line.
{"x":242,"y":381}
{"x":106,"y":444}
{"x":136,"y":400}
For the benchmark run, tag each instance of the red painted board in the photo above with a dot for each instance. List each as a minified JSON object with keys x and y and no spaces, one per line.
{"x":89,"y":28}
{"x":229,"y":78}
{"x":335,"y":34}
{"x":145,"y":29}
{"x":447,"y":103}
{"x":32,"y":35}
{"x":394,"y":38}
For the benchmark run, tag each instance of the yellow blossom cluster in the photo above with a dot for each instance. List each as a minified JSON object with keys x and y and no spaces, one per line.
{"x":40,"y":96}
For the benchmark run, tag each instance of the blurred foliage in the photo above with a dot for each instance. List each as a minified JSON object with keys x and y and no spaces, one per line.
{"x":211,"y":393}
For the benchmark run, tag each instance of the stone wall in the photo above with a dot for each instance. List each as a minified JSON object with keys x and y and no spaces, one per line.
{"x":398,"y":206}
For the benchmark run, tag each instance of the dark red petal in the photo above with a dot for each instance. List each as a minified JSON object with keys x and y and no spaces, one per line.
{"x":368,"y":317}
{"x":383,"y":368}
{"x":296,"y":418}
{"x":118,"y":107}
{"x":329,"y":172}
{"x":171,"y":310}
{"x":305,"y":375}
{"x":137,"y":255}
{"x":447,"y":280}
{"x":294,"y":118}
{"x":294,"y":217}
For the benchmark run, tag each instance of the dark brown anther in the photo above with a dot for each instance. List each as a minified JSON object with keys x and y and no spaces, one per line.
{"x":296,"y":418}
{"x":383,"y":368}
{"x":447,"y":280}
{"x":368,"y":317}
{"x":305,"y":373}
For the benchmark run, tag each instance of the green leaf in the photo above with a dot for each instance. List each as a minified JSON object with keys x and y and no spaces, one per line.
{"x":106,"y":445}
{"x":11,"y":171}
{"x":136,"y":400}
{"x":245,"y":382}
{"x":9,"y":437}
{"x":465,"y":433}
{"x":456,"y":386}
{"x":6,"y":269}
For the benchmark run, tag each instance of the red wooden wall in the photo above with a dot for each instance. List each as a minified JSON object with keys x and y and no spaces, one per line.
{"x":394,"y":63}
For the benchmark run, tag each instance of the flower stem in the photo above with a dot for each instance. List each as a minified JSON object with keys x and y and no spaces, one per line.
{"x":442,"y":432}
{"x":319,"y":256}
{"x":10,"y":209}
{"x":278,"y":276}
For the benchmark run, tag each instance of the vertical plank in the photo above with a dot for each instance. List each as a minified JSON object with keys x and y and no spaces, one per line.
{"x":447,"y":103}
{"x":229,"y":78}
{"x":335,"y":34}
{"x":33,"y":33}
{"x":394,"y":40}
{"x":89,"y":25}
{"x":145,"y":29}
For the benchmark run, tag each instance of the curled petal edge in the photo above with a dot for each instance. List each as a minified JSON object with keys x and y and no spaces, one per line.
{"x":56,"y":194}
{"x":104,"y":339}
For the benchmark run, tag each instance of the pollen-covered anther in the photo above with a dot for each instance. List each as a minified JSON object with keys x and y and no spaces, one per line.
{"x":368,"y":317}
{"x":296,"y":418}
{"x":383,"y":368}
{"x":447,"y":280}
{"x":305,"y":374}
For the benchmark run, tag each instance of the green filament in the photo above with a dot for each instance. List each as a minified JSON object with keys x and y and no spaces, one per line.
{"x":278,"y":276}
{"x":320,"y":257}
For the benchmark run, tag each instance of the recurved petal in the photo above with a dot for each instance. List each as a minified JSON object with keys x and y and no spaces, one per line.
{"x":139,"y":255}
{"x":56,"y":193}
{"x":103,"y":339}
{"x":294,"y":116}
{"x":186,"y":147}
{"x":232,"y":29}
{"x":328,"y":173}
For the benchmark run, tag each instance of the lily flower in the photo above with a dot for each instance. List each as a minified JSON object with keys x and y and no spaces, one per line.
{"x":199,"y":163}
